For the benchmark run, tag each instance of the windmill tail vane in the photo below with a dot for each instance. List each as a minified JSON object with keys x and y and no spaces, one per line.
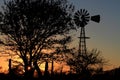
{"x":95,"y":18}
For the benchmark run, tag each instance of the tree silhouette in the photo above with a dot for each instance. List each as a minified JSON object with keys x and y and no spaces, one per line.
{"x":30,"y":26}
{"x":86,"y":64}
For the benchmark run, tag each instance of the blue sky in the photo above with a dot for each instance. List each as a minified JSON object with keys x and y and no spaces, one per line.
{"x":105,"y":36}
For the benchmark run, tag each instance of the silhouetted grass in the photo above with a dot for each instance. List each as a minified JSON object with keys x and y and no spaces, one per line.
{"x":106,"y":75}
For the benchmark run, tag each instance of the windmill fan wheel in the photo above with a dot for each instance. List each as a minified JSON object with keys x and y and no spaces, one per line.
{"x":81,"y":18}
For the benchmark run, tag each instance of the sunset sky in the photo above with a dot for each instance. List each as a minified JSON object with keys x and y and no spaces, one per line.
{"x":105,"y":36}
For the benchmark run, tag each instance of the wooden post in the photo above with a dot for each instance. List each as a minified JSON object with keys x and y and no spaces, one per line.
{"x":9,"y":66}
{"x":52,"y":67}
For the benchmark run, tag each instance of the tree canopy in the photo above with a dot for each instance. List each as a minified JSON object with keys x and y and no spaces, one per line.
{"x":33,"y":25}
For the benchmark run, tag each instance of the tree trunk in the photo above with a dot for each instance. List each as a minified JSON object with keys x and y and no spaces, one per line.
{"x":36,"y":67}
{"x":28,"y":71}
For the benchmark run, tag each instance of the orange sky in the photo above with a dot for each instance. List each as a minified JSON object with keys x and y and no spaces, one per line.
{"x":4,"y":65}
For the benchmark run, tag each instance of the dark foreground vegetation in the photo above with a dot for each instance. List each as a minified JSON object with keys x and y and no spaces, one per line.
{"x":105,"y":75}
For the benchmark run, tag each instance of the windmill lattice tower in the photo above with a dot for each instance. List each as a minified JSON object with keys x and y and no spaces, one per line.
{"x":81,"y":19}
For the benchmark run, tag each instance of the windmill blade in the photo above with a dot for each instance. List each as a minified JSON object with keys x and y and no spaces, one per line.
{"x":85,"y":23}
{"x":81,"y":17}
{"x":76,"y":14}
{"x":83,"y":11}
{"x":86,"y":20}
{"x":86,"y":12}
{"x":79,"y":13}
{"x":95,"y":18}
{"x":87,"y":17}
{"x":76,"y":17}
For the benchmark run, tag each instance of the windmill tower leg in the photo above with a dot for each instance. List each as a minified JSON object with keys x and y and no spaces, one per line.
{"x":82,"y":42}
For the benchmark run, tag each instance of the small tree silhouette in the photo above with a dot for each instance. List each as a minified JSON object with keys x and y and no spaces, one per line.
{"x":86,"y":64}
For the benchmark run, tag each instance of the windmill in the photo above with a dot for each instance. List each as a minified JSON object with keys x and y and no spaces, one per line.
{"x":81,"y":18}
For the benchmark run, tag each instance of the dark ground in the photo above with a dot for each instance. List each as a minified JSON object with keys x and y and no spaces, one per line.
{"x":106,"y":75}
